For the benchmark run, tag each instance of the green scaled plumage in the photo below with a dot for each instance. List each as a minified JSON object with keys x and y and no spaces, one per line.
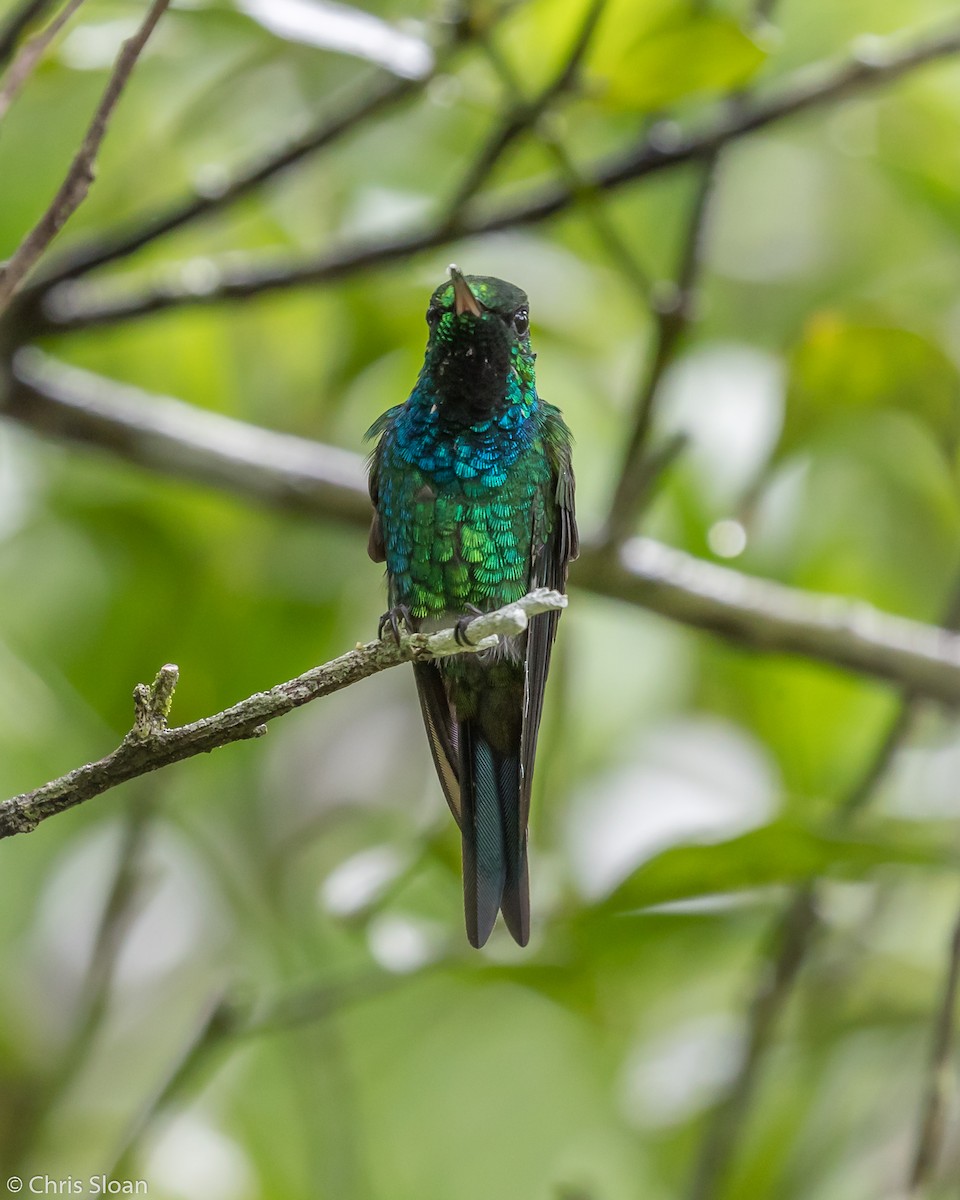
{"x":473,"y":491}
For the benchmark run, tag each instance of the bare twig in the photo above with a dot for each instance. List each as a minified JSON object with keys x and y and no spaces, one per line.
{"x":17,"y":24}
{"x":939,"y":1079}
{"x":673,"y":318}
{"x":26,"y":61}
{"x":151,"y":745}
{"x":778,"y":975}
{"x":523,"y":115}
{"x":792,"y":943}
{"x":72,"y":306}
{"x":120,"y":909}
{"x":76,"y":184}
{"x":374,"y":97}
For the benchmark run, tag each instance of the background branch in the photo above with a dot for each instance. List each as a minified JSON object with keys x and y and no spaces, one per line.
{"x":672,"y":319}
{"x":181,"y":440}
{"x":939,"y":1077}
{"x":772,"y":617}
{"x":26,"y":61}
{"x":522,"y":114}
{"x":151,"y":745}
{"x":72,"y":306}
{"x":791,"y":944}
{"x":17,"y":24}
{"x":72,"y":192}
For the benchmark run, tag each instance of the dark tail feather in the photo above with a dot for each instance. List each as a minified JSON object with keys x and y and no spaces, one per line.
{"x":515,"y":901}
{"x":494,"y":846}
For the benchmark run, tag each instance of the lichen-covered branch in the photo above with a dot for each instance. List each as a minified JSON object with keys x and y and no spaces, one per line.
{"x":72,"y":192}
{"x":151,"y":744}
{"x":72,"y":306}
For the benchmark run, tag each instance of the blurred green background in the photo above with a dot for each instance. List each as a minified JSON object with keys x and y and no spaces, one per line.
{"x":304,"y":889}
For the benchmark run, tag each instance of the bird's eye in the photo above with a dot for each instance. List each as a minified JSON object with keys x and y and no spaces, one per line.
{"x":521,"y":320}
{"x":433,"y":316}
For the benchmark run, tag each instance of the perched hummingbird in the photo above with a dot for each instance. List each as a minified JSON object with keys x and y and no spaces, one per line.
{"x":472,"y":491}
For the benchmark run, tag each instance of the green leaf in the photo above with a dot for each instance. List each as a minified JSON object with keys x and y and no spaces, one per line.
{"x":844,"y":369}
{"x":780,"y":853}
{"x":659,"y":68}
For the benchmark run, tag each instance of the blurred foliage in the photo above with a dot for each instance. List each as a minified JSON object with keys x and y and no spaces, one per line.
{"x":685,"y":786}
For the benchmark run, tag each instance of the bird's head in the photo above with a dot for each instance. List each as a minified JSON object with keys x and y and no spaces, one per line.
{"x":479,"y":336}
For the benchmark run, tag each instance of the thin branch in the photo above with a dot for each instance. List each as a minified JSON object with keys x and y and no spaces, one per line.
{"x":121,"y":908}
{"x":673,"y":319}
{"x":778,"y":976}
{"x":20,"y":20}
{"x":939,"y":1079}
{"x":26,"y":61}
{"x":216,"y":1025}
{"x":151,"y":745}
{"x":291,"y":472}
{"x":73,"y":306}
{"x":654,"y":465}
{"x":525,"y":114}
{"x":792,"y":943}
{"x":522,"y":114}
{"x":76,"y":184}
{"x":227,"y":1022}
{"x":372,"y":99}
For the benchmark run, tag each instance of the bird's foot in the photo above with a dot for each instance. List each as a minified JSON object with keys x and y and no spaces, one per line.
{"x":394,"y":618}
{"x":460,"y":629}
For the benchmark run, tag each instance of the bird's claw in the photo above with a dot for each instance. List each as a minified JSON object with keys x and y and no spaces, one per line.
{"x":460,"y":629}
{"x":393,"y":618}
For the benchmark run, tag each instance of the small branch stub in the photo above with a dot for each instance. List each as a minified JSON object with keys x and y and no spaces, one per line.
{"x":151,"y":704}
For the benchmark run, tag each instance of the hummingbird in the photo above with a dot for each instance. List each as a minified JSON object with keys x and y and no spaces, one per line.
{"x":473,"y":497}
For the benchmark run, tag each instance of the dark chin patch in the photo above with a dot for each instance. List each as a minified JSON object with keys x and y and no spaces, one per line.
{"x":470,"y":371}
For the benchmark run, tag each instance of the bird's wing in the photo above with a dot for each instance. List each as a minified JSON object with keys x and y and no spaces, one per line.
{"x":555,"y":545}
{"x":441,"y":731}
{"x":375,"y":544}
